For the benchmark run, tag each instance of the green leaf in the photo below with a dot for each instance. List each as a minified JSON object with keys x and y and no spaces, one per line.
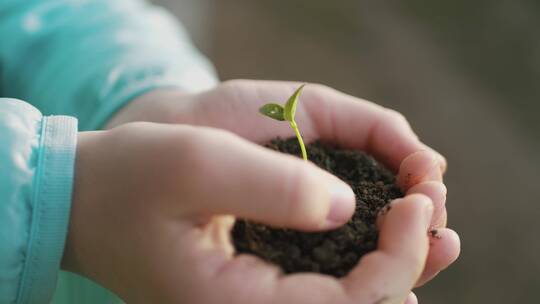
{"x":290,"y":106}
{"x":273,"y":110}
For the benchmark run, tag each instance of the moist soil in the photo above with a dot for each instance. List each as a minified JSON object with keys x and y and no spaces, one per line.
{"x":333,"y":252}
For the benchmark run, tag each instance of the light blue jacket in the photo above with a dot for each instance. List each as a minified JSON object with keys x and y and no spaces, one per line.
{"x":83,"y":59}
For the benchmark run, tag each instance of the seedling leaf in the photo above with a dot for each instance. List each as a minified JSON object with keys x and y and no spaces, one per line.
{"x":273,"y":110}
{"x":290,"y":106}
{"x":278,"y":112}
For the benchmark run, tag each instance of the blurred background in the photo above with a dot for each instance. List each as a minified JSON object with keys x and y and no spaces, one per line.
{"x":466,"y":75}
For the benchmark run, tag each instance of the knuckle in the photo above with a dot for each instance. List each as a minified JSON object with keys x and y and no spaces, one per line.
{"x":411,"y":263}
{"x":419,"y":198}
{"x":321,"y":88}
{"x":191,"y":152}
{"x":223,"y":135}
{"x":415,"y":262}
{"x":200,"y":145}
{"x":233,"y":84}
{"x":396,"y":116}
{"x":212,"y":139}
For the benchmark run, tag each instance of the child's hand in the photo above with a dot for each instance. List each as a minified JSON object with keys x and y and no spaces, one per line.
{"x":322,"y":113}
{"x":154,"y":204}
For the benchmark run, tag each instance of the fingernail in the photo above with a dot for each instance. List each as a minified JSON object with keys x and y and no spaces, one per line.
{"x":342,"y":204}
{"x":434,"y":173}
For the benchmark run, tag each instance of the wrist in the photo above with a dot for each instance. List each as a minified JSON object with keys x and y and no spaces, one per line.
{"x":73,"y":257}
{"x":160,"y":105}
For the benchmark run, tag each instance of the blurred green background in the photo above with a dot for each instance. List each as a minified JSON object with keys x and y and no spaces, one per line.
{"x":466,"y":75}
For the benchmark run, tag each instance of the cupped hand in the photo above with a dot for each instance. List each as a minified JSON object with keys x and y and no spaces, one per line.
{"x":323,"y":113}
{"x":154,"y":204}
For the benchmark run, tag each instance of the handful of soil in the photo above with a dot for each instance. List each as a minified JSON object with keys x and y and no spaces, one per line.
{"x":333,"y":252}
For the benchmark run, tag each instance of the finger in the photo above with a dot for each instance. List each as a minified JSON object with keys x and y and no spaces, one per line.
{"x":443,"y":220}
{"x":444,"y":250}
{"x":390,"y":272}
{"x":363,"y":125}
{"x":247,"y":279}
{"x":322,"y":290}
{"x":252,"y":182}
{"x":418,"y":167}
{"x":436,"y":191}
{"x":443,"y":163}
{"x":411,"y":299}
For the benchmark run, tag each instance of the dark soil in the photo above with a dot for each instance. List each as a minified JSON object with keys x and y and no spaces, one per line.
{"x":334,"y":252}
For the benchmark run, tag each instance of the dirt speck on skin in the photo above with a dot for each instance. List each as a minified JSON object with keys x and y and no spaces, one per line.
{"x":334,"y":252}
{"x":434,"y":233}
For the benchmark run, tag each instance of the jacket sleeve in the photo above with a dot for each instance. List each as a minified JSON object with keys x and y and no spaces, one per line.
{"x":89,"y":58}
{"x":36,"y":176}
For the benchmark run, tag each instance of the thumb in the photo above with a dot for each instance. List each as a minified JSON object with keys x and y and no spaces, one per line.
{"x":255,"y":183}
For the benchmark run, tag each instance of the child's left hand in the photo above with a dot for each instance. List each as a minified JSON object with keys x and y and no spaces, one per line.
{"x":153,"y":206}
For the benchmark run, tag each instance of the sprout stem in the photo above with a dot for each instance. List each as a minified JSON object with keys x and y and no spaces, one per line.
{"x":300,"y":140}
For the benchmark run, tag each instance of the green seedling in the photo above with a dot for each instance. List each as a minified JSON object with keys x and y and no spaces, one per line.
{"x":286,"y":113}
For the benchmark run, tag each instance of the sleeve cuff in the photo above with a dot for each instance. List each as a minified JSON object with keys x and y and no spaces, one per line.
{"x":51,"y":209}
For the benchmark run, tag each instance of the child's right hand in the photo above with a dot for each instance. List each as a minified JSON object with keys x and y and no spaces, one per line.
{"x":154,"y":204}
